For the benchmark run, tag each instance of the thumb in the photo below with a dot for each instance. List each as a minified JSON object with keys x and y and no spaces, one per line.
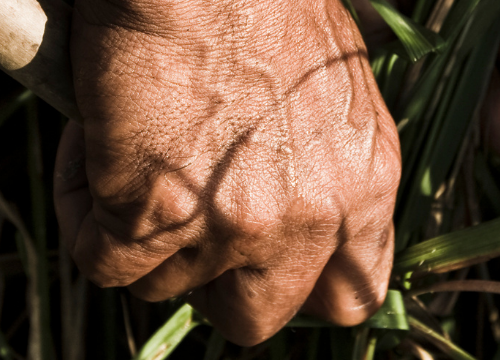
{"x":72,"y":197}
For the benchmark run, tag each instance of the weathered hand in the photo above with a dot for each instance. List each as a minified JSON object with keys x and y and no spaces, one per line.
{"x":237,"y":151}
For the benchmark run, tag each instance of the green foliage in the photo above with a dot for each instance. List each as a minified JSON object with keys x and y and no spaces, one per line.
{"x":448,"y":348}
{"x":391,"y":315}
{"x":417,"y":40}
{"x":464,"y":88}
{"x":433,"y":78}
{"x":451,"y":251}
{"x":164,"y":341}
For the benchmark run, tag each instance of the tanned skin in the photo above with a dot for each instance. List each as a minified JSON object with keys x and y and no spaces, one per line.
{"x":235,"y":152}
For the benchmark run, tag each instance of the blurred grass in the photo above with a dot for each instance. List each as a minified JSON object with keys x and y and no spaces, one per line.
{"x":433,"y":83}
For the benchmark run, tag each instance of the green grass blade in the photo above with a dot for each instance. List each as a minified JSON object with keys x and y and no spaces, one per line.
{"x":278,"y":346}
{"x":109,"y":326}
{"x":458,"y":16}
{"x":5,"y":351}
{"x":361,"y":343}
{"x":414,"y":133}
{"x":341,"y":343}
{"x":27,"y":244}
{"x":416,"y":39}
{"x":447,"y":136}
{"x":389,"y":70}
{"x":377,"y":62}
{"x":389,"y":324}
{"x":306,"y":321}
{"x":370,"y":349}
{"x":364,"y":344}
{"x":446,"y":346}
{"x":22,"y":252}
{"x":391,"y":315}
{"x":39,"y":226}
{"x":451,"y":251}
{"x":215,"y":346}
{"x":432,"y":92}
{"x":164,"y":341}
{"x":313,"y":344}
{"x":485,"y":14}
{"x":9,"y":106}
{"x":487,"y":182}
{"x":422,"y":10}
{"x":418,"y":148}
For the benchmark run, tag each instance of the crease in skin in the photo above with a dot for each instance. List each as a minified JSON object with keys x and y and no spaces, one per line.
{"x":119,"y":277}
{"x":354,"y":306}
{"x":367,"y":287}
{"x":129,"y":19}
{"x":142,"y":252}
{"x":269,"y":322}
{"x":368,"y":295}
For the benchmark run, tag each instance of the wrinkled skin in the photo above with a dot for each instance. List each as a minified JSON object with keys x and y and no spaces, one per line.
{"x":234,"y":152}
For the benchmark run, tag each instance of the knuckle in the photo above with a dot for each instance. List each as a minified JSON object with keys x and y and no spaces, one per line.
{"x":371,"y":303}
{"x":359,"y":314}
{"x":389,"y":156}
{"x":356,"y":308}
{"x":254,"y":331}
{"x":315,"y":216}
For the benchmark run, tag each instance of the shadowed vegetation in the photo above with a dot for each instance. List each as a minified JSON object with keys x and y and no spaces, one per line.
{"x":434,"y":77}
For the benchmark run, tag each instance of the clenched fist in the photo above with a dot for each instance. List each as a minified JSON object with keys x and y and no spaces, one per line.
{"x":237,"y":152}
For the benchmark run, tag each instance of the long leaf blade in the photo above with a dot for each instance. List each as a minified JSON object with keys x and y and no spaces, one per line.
{"x":165,"y":340}
{"x":451,"y":251}
{"x":416,"y":39}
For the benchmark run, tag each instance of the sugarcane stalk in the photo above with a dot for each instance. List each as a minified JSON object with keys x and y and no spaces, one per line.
{"x":34,"y":50}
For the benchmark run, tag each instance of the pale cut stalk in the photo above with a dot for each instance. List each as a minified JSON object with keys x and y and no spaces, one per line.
{"x":34,"y":50}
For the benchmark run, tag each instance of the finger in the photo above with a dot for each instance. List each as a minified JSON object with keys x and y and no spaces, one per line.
{"x":187,"y":269}
{"x":105,"y":258}
{"x":214,"y":253}
{"x":111,"y":260}
{"x":72,"y":197}
{"x":354,"y":282}
{"x":249,"y":305}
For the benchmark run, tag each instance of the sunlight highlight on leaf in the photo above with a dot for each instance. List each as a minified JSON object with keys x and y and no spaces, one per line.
{"x":416,"y":39}
{"x":165,"y":340}
{"x":451,"y":251}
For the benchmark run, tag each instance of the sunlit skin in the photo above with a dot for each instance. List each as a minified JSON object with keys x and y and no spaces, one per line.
{"x":234,"y":152}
